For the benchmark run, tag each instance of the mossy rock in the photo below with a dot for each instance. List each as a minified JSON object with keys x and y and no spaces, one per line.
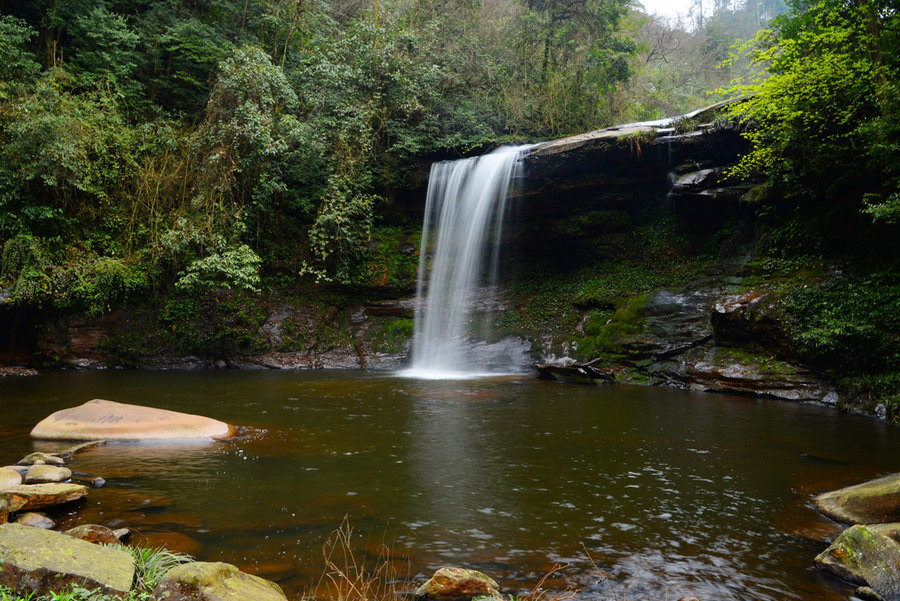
{"x":873,"y":502}
{"x":457,"y":584}
{"x":39,"y":561}
{"x":862,"y":556}
{"x":214,"y":581}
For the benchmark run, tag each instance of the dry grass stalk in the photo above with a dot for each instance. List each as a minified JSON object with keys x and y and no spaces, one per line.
{"x":348,"y":578}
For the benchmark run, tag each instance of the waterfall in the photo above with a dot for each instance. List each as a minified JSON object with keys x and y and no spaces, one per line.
{"x":464,"y":212}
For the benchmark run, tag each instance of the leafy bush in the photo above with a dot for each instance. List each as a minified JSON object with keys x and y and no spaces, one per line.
{"x":237,"y":268}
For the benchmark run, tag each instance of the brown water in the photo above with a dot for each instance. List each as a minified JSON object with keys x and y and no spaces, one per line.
{"x":672,"y":493}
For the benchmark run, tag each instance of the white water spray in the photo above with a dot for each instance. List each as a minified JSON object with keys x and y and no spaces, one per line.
{"x":466,"y":203}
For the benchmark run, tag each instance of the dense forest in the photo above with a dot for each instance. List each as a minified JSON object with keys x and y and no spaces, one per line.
{"x":203,"y":144}
{"x":175,"y":149}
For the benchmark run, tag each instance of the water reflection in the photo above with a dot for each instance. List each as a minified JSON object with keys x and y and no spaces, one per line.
{"x":681,"y":493}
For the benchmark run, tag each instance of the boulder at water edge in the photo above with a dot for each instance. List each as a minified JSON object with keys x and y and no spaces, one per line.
{"x":26,"y":497}
{"x":9,"y":478}
{"x":93,"y":533}
{"x":862,"y":556}
{"x":118,"y":421}
{"x":873,"y":502}
{"x":456,"y":584}
{"x":205,"y":581}
{"x":41,"y":561}
{"x":4,"y":511}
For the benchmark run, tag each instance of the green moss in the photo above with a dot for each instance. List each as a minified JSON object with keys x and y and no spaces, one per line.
{"x":607,"y":338}
{"x":294,"y":335}
{"x":390,"y":336}
{"x":215,"y":323}
{"x":394,"y":258}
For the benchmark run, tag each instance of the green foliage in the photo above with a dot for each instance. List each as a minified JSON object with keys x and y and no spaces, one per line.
{"x":851,"y":322}
{"x":16,"y":62}
{"x":827,"y":97}
{"x":105,"y":49}
{"x":237,"y":268}
{"x":166,"y":145}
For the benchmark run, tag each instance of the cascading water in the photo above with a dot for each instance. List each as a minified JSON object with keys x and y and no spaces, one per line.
{"x":466,"y":204}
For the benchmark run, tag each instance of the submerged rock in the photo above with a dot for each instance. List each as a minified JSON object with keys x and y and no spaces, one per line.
{"x":864,"y":557}
{"x":41,"y":561}
{"x":456,"y":584}
{"x":205,"y":581}
{"x":873,"y":502}
{"x":118,"y":421}
{"x":9,"y":478}
{"x":36,"y":520}
{"x":93,"y":533}
{"x":71,"y":451}
{"x":44,"y":474}
{"x":26,"y":497}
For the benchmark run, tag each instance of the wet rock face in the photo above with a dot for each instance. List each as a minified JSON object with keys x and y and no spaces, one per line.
{"x":457,"y":584}
{"x":206,"y":581}
{"x":862,"y":556}
{"x":873,"y":502}
{"x":41,"y":561}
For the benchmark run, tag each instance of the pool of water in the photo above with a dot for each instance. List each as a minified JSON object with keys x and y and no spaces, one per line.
{"x":667,"y":492}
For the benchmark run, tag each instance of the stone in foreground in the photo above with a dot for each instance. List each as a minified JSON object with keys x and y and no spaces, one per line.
{"x":864,"y":557}
{"x":873,"y":502}
{"x":9,"y":478}
{"x":456,"y":584}
{"x":93,"y":533}
{"x":45,"y":474}
{"x":41,"y":561}
{"x":118,"y":421}
{"x":205,"y":581}
{"x":27,"y":497}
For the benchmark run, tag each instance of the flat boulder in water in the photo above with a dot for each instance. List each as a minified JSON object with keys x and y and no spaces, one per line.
{"x":206,"y":581}
{"x":26,"y":497}
{"x":119,"y":421}
{"x":873,"y":502}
